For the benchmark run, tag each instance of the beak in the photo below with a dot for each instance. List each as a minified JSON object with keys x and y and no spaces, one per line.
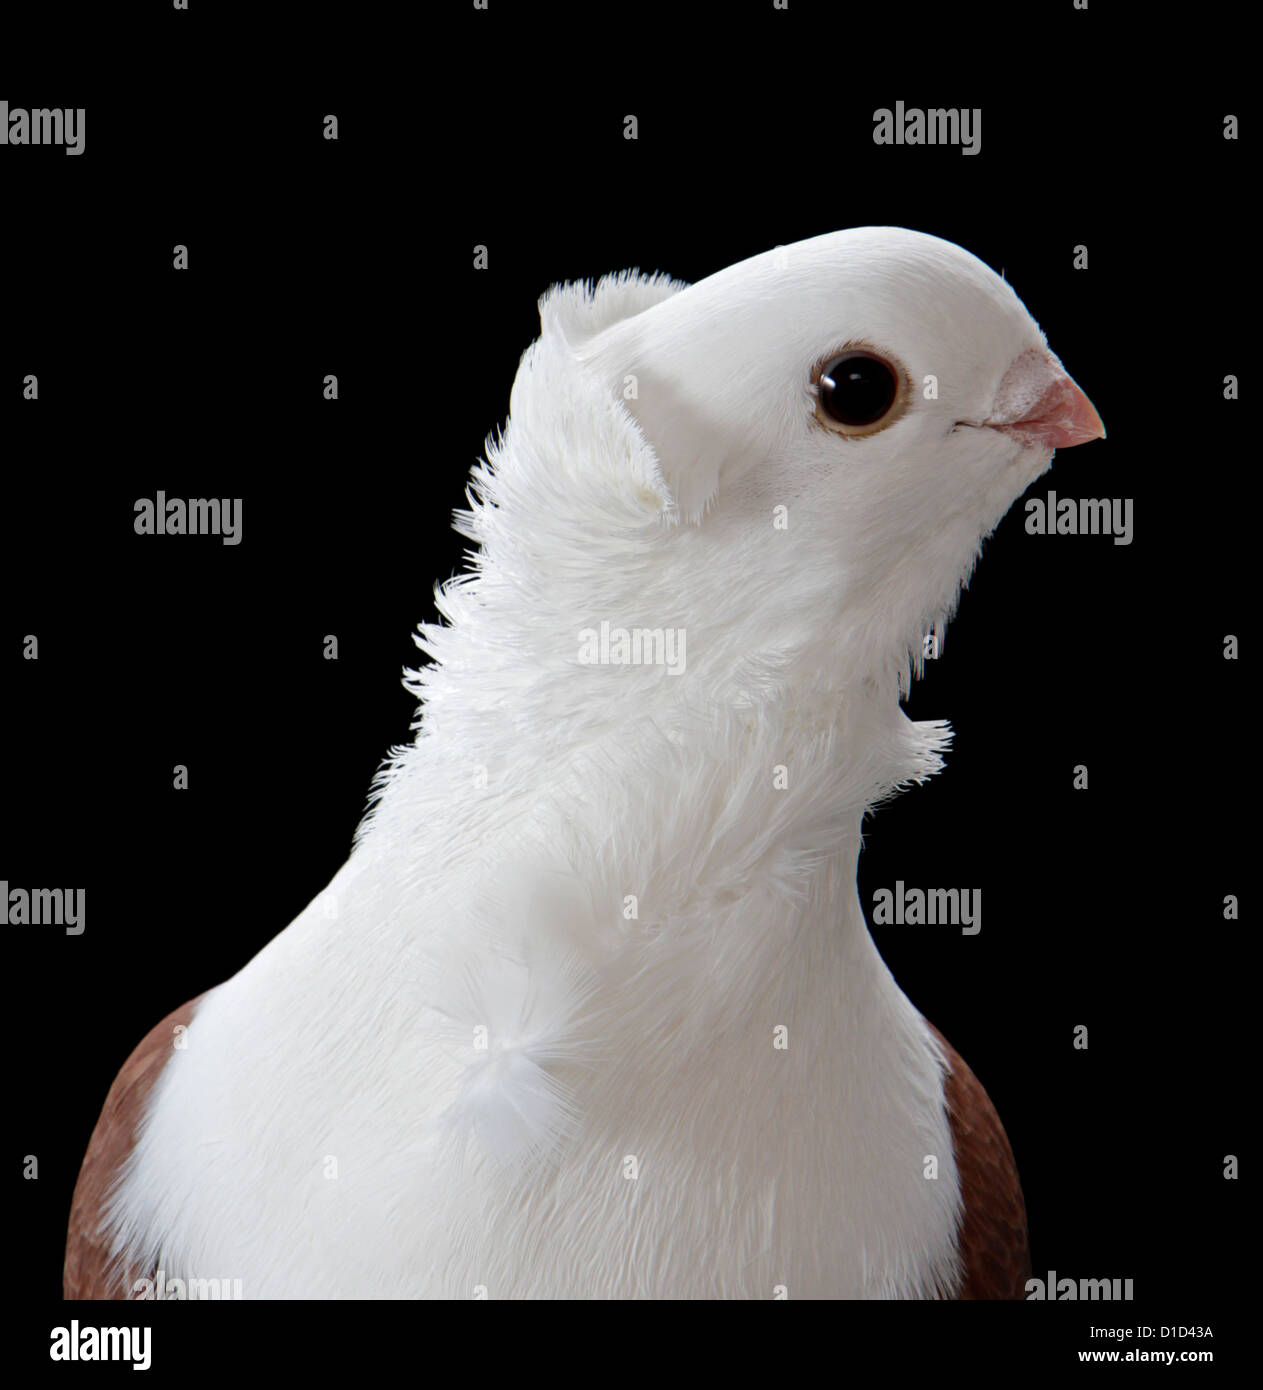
{"x":1040,"y":405}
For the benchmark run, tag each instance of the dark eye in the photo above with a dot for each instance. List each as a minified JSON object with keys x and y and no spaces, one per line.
{"x":857,"y":390}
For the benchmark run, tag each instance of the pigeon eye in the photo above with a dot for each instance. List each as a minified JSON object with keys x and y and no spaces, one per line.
{"x":857,"y":392}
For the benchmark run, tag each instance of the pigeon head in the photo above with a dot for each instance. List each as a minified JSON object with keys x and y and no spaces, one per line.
{"x":792,"y":463}
{"x":881,"y":394}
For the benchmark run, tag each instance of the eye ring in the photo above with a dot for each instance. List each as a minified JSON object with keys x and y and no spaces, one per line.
{"x":872,"y":394}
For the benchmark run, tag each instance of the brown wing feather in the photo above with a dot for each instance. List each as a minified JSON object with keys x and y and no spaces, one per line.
{"x":88,"y":1272}
{"x":994,"y":1249}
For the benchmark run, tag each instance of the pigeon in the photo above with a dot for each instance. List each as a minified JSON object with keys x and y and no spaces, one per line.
{"x":592,"y":1010}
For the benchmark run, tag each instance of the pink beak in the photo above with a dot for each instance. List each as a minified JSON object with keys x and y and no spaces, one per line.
{"x":1040,"y":405}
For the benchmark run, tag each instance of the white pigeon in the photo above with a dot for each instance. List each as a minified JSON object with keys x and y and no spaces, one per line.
{"x":592,"y":1010}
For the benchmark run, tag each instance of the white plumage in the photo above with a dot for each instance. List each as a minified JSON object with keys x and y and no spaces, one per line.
{"x":526,"y":1040}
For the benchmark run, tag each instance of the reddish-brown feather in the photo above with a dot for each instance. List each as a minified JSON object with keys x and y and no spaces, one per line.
{"x":994,"y":1250}
{"x":88,"y":1271}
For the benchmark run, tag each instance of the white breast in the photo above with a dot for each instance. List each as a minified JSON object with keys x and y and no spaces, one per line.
{"x":303,"y":1143}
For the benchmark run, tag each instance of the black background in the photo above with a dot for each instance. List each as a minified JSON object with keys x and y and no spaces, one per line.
{"x":308,"y":257}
